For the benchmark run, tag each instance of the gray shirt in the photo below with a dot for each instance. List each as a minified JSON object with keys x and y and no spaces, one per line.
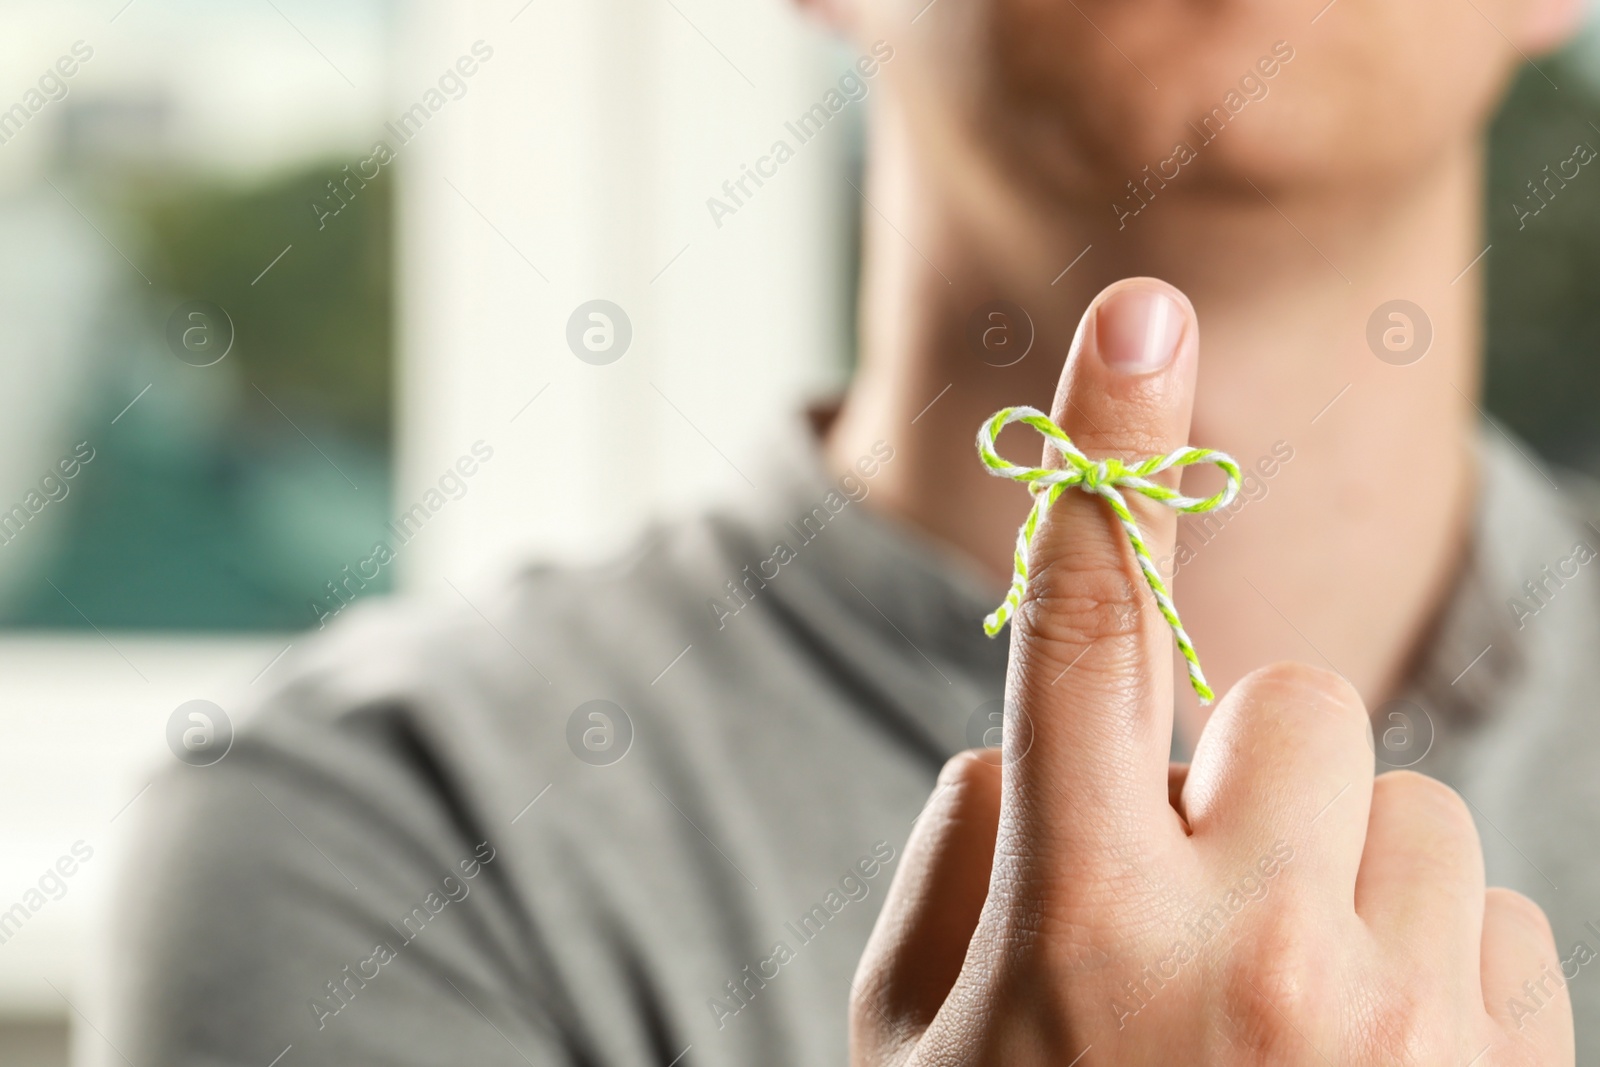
{"x":646,"y":812}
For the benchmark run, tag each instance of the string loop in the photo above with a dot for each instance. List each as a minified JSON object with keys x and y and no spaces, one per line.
{"x":1106,"y":478}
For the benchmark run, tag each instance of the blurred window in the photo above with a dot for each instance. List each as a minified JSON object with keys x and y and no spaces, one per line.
{"x":195,"y":397}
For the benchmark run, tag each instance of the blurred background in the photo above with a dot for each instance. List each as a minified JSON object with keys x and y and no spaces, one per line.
{"x":269,"y":268}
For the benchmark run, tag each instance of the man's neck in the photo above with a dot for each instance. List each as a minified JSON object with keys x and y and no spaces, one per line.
{"x":1343,"y":552}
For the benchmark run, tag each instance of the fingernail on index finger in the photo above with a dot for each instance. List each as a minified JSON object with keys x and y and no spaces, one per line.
{"x":1137,"y":330}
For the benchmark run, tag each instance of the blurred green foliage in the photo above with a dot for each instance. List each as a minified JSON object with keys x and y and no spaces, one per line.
{"x":1543,"y":336}
{"x":228,"y":495}
{"x":317,"y":326}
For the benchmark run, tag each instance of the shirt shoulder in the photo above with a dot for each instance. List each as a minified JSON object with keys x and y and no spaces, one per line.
{"x":357,"y":844}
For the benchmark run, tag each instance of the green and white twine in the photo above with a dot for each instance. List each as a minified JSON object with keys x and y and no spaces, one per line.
{"x":1105,"y":478}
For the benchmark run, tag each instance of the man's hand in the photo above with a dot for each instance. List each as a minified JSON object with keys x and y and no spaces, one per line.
{"x":1077,"y":902}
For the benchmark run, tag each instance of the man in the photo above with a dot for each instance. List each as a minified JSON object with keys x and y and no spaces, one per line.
{"x":512,"y":837}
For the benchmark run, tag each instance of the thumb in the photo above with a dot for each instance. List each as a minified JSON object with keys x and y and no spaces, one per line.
{"x":921,"y":937}
{"x":1091,"y":654}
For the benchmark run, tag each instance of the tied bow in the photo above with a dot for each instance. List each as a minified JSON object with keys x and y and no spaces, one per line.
{"x":1106,"y":478}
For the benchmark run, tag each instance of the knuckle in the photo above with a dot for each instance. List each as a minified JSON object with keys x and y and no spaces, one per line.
{"x":1437,"y":829}
{"x":1429,"y":801}
{"x":1404,"y":1024}
{"x":1274,"y":987}
{"x":1074,"y":601}
{"x":967,"y":787}
{"x":1520,"y":911}
{"x":1302,"y":685}
{"x":971,"y":767}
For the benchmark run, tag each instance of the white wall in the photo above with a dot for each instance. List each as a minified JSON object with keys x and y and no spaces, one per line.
{"x":591,"y":142}
{"x":85,"y":720}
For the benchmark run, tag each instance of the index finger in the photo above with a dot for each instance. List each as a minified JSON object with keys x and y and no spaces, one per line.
{"x":1091,"y":648}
